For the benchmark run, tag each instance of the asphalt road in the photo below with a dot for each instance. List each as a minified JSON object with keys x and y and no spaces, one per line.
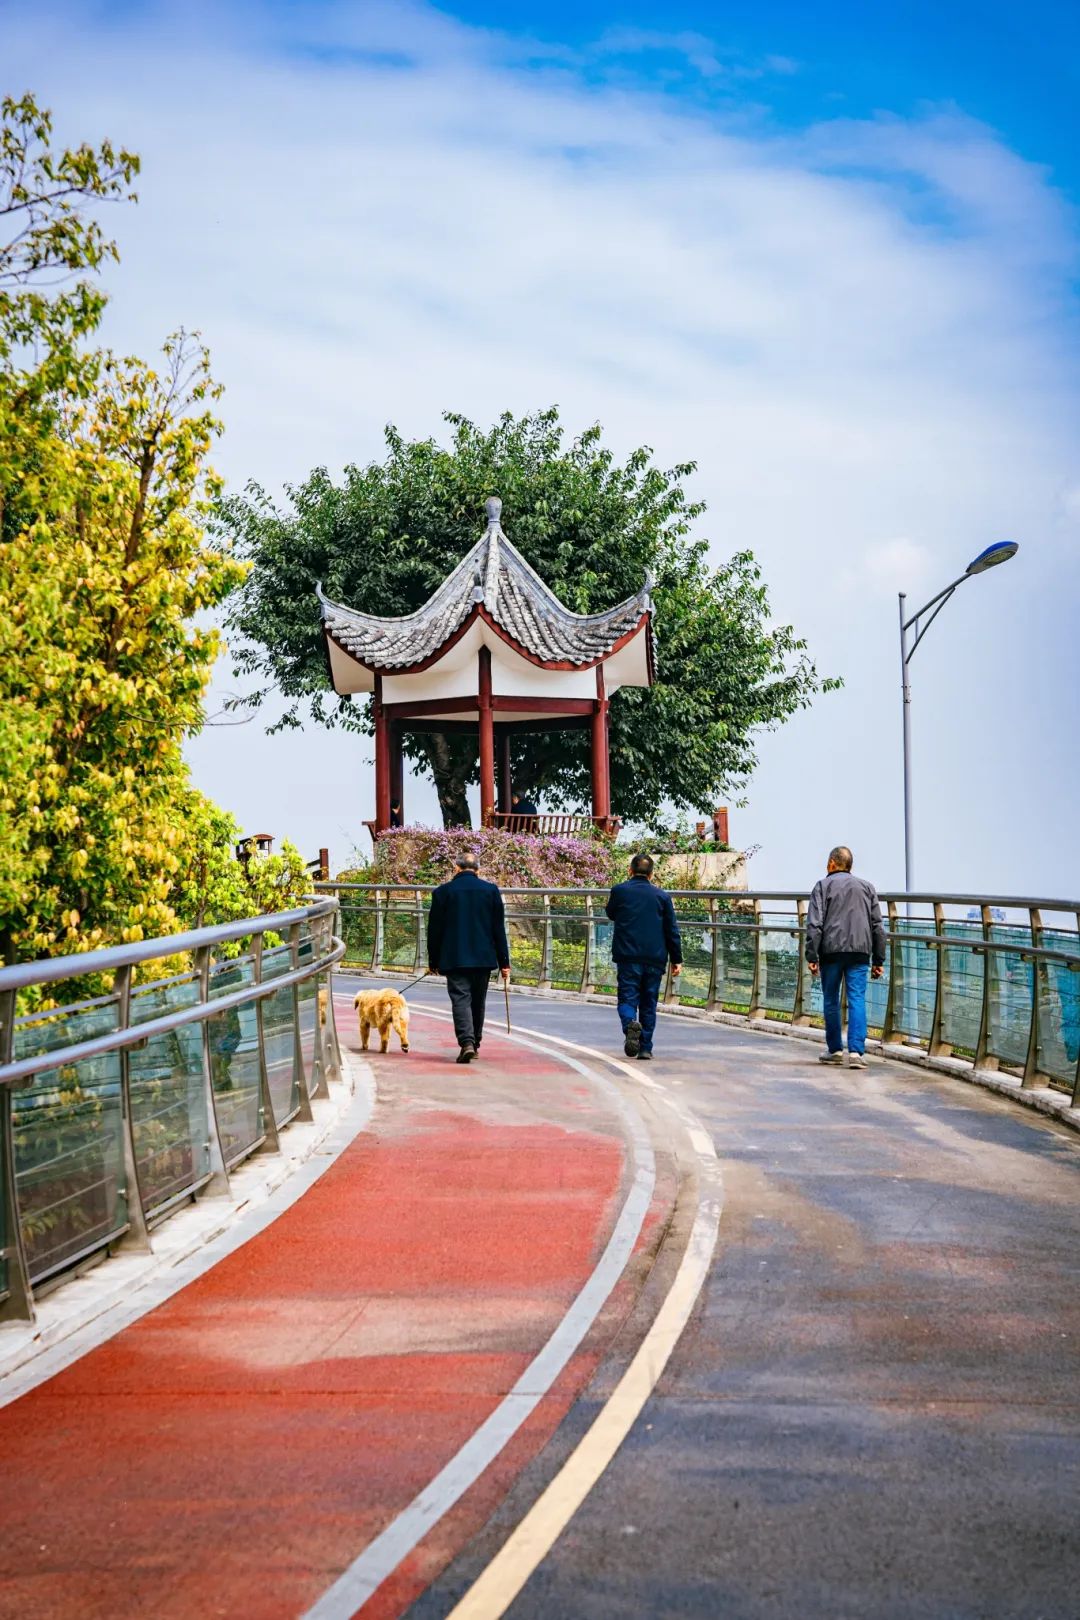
{"x":876,"y":1408}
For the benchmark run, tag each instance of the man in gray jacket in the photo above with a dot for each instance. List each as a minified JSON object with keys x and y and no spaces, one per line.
{"x":844,"y":936}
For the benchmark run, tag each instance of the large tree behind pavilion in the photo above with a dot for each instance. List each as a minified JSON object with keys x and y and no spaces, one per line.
{"x":387,"y":535}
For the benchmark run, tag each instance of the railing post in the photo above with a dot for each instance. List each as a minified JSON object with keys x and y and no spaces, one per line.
{"x":757,"y":983}
{"x":544,"y":980}
{"x":983,"y":1059}
{"x":420,"y":956}
{"x":218,"y":1185}
{"x":590,"y":946}
{"x":18,"y":1304}
{"x":937,"y":1047}
{"x":333,"y":1048}
{"x":137,"y":1235}
{"x":304,"y":1112}
{"x":711,"y":997}
{"x":1031,"y":1064}
{"x":896,"y":978}
{"x":799,"y":1015}
{"x":378,"y":942}
{"x":271,"y":1142}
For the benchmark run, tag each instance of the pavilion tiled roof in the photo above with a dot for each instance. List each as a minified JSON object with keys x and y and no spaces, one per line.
{"x":495,"y":577}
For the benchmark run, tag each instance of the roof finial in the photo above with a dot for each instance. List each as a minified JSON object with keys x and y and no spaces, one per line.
{"x":493,"y":508}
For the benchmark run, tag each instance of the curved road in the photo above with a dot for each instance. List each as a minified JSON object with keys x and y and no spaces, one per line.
{"x":875,"y":1410}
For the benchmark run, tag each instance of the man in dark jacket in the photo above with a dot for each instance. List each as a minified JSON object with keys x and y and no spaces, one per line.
{"x":523,"y":806}
{"x":646,"y":937}
{"x":466,"y":939}
{"x":844,"y":935}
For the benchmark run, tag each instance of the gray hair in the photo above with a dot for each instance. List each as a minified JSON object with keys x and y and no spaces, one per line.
{"x":842,"y":857}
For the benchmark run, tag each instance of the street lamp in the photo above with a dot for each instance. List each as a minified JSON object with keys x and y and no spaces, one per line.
{"x":999,"y":552}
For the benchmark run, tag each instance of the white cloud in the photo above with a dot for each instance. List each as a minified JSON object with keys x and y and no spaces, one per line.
{"x":861,"y":329}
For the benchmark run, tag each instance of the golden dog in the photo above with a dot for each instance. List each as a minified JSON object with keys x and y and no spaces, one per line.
{"x":385,"y":1009}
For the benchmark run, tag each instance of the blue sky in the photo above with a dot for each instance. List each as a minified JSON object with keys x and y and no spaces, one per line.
{"x":829,"y":253}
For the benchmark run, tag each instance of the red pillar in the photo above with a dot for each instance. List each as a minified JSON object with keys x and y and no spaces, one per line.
{"x":502,"y":739}
{"x":601,"y":768}
{"x":382,"y":760}
{"x":397,"y":767}
{"x":487,"y":742}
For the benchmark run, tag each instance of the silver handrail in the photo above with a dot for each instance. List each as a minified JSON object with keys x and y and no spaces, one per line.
{"x":103,"y":1130}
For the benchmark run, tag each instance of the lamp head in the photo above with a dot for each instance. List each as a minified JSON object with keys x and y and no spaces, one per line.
{"x":999,"y":552}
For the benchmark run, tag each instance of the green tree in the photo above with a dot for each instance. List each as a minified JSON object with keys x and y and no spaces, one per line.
{"x":388,"y":534}
{"x":104,"y":561}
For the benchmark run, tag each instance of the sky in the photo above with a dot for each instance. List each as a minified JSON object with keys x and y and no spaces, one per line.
{"x":829,"y":253}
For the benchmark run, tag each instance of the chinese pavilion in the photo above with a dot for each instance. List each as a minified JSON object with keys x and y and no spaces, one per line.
{"x":495,"y":652}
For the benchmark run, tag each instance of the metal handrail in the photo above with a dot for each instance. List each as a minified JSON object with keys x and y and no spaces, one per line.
{"x":94,"y":1118}
{"x":1020,"y":994}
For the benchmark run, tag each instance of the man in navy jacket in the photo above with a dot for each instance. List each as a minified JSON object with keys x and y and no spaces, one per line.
{"x":466,"y":939}
{"x":646,"y":937}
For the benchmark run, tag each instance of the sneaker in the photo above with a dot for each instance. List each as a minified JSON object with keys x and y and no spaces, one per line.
{"x":835,"y":1058}
{"x":632,"y":1044}
{"x":856,"y":1060}
{"x":467,"y":1053}
{"x":644,"y":1057}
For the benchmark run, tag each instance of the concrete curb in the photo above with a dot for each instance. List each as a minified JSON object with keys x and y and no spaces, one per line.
{"x":117,"y":1279}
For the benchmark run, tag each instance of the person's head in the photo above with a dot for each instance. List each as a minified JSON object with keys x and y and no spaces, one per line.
{"x":467,"y":862}
{"x":516,"y":795}
{"x":641,"y":866}
{"x":840,"y":859}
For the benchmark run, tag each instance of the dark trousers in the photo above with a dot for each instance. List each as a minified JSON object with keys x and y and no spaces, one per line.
{"x":639,"y":992}
{"x":468,"y":989}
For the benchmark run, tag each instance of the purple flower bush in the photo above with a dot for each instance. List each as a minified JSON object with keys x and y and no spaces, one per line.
{"x":422,"y":855}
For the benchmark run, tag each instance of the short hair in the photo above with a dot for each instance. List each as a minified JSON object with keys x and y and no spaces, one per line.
{"x":467,"y":861}
{"x":641,"y":865}
{"x":842,"y":857}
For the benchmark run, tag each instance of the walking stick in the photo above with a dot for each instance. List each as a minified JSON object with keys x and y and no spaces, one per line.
{"x":506,"y":993}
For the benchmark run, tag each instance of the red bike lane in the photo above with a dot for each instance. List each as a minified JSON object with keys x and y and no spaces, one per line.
{"x":235,"y":1449}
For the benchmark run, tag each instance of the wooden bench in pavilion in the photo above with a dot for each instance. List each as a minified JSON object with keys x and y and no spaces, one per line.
{"x":493,"y":652}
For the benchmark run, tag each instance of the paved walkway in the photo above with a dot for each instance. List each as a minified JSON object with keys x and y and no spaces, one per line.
{"x":875,"y":1409}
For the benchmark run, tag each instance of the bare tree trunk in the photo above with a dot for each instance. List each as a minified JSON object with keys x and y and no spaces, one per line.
{"x":451,"y":768}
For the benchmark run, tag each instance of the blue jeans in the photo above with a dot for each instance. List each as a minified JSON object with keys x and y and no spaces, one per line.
{"x":833,"y":975}
{"x":639,"y":991}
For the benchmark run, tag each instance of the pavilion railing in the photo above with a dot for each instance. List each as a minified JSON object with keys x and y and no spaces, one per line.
{"x":991,"y":980}
{"x":166,"y":1064}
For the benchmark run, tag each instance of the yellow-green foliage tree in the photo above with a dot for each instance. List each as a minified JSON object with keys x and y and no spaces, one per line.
{"x":104,"y":561}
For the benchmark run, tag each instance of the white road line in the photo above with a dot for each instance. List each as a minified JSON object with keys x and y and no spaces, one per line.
{"x":497,"y":1587}
{"x":383,"y":1555}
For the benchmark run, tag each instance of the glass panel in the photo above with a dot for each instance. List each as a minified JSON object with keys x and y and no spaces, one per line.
{"x":525,"y":933}
{"x":358,"y":926}
{"x":962,"y":973}
{"x":692,"y":985}
{"x":279,"y":1036}
{"x":567,"y":941}
{"x":1010,"y":996}
{"x":308,"y":999}
{"x":1059,"y":1021}
{"x":736,"y":948}
{"x":68,"y":1141}
{"x":399,"y":930}
{"x":169,"y":1115}
{"x":779,"y":962}
{"x":916,"y":979}
{"x":605,"y":975}
{"x":877,"y":998}
{"x":233,"y":1042}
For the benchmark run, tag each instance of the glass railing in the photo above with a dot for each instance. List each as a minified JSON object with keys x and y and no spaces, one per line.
{"x":991,"y":980}
{"x":117,"y":1106}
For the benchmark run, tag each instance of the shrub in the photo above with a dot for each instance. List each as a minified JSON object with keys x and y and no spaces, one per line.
{"x":422,"y":855}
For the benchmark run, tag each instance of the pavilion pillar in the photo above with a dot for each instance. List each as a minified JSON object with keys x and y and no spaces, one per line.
{"x":397,"y":768}
{"x":505,"y":782}
{"x":487,"y":742}
{"x":382,"y":760}
{"x":601,"y":766}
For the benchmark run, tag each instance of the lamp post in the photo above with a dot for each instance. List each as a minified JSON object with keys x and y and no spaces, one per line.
{"x":1000,"y":552}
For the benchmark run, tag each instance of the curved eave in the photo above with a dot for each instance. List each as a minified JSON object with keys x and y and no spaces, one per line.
{"x":479,"y":613}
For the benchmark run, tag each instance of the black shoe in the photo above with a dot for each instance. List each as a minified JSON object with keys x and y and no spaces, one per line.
{"x":644,"y":1057}
{"x":467,"y":1053}
{"x":632,"y":1044}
